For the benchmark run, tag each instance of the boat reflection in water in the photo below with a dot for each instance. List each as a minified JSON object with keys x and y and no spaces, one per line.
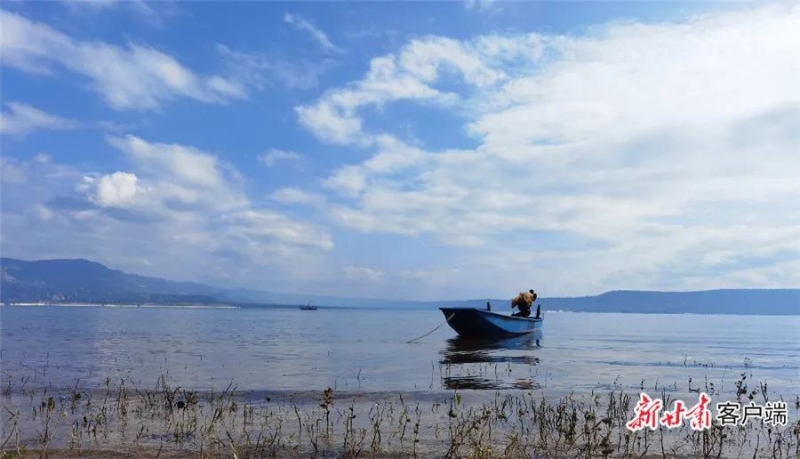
{"x":491,"y":364}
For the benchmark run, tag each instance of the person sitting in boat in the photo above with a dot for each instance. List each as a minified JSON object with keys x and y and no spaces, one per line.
{"x":524,"y":302}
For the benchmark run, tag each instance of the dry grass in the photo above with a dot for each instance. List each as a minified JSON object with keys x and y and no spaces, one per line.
{"x":122,"y":420}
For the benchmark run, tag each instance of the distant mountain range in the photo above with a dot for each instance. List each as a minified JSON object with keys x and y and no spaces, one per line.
{"x":84,"y":281}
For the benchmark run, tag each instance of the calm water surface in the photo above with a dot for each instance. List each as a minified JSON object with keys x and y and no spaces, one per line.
{"x":365,"y":350}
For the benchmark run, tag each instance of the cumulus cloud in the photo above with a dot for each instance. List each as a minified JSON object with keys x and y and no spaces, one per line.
{"x":181,"y":209}
{"x":658,"y":148}
{"x":21,"y":119}
{"x":184,"y":164}
{"x":194,"y":190}
{"x":134,"y":77}
{"x":167,"y":181}
{"x":117,"y":190}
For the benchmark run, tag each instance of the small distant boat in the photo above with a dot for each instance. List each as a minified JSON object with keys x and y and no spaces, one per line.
{"x":483,"y":324}
{"x":308,"y":307}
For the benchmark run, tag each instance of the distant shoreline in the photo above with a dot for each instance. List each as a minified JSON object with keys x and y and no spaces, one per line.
{"x":125,"y":306}
{"x":359,"y":308}
{"x":85,"y":283}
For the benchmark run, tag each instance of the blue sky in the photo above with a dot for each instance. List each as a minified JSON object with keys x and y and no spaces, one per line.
{"x":407,"y":150}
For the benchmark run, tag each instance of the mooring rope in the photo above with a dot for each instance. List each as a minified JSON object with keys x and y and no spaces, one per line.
{"x":437,"y":327}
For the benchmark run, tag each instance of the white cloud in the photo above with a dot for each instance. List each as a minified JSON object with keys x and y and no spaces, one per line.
{"x":258,"y":224}
{"x":373,"y":32}
{"x":28,"y":172}
{"x":259,"y":70}
{"x":318,"y":35}
{"x":409,"y":75}
{"x":328,"y":123}
{"x":42,"y":213}
{"x":425,"y":60}
{"x":135,"y":77}
{"x":479,"y":4}
{"x":22,"y":119}
{"x":94,"y":4}
{"x":11,"y":171}
{"x":187,"y":186}
{"x":181,"y":163}
{"x":664,"y":149}
{"x":168,"y":182}
{"x":273,"y":156}
{"x":117,"y":190}
{"x":181,"y":209}
{"x":430,"y":276}
{"x":652,"y":156}
{"x":294,"y":195}
{"x":150,"y":13}
{"x":363,"y":273}
{"x":348,"y":180}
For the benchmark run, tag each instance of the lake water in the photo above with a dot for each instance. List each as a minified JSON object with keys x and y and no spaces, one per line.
{"x":367,"y":351}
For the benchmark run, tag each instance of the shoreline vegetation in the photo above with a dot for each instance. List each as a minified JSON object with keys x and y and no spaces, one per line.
{"x":121,"y":419}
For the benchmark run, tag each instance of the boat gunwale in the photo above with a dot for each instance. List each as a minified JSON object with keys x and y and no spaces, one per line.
{"x":493,"y":313}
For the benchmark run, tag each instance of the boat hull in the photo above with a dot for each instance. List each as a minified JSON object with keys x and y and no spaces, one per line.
{"x":482,"y":324}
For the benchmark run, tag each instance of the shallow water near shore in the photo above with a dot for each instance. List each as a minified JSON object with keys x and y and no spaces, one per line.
{"x":275,"y":350}
{"x":193,"y":381}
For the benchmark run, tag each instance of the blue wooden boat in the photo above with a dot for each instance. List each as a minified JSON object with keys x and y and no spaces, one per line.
{"x":483,"y":324}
